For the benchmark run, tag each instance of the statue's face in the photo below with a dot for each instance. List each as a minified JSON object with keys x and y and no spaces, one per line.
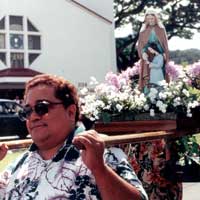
{"x":151,"y":20}
{"x":151,"y":50}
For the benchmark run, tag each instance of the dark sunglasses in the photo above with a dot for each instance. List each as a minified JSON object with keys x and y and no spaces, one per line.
{"x":40,"y":108}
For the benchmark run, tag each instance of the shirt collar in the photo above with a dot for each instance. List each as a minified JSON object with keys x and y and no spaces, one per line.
{"x":67,"y":151}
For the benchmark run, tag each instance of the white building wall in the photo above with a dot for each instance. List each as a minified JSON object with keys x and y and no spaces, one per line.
{"x":76,"y":43}
{"x":102,"y":7}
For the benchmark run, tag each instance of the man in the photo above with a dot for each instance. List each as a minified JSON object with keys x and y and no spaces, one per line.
{"x":54,"y":168}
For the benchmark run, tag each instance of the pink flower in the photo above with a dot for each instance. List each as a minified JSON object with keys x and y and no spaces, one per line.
{"x":112,"y":79}
{"x":174,"y":70}
{"x":129,"y":72}
{"x":194,"y":69}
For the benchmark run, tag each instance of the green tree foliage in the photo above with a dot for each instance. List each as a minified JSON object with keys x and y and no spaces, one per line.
{"x":180,"y":17}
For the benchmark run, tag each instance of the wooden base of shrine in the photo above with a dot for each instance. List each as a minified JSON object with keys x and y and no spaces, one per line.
{"x":115,"y":128}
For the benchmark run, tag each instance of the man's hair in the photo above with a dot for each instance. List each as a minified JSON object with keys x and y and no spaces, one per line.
{"x":64,"y":90}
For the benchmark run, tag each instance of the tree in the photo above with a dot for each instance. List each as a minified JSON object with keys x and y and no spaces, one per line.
{"x":180,"y":17}
{"x":188,"y":56}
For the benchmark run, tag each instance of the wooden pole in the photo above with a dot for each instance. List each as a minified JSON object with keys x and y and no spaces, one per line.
{"x":116,"y":139}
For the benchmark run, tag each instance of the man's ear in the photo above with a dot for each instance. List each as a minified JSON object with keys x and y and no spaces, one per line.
{"x":71,"y":111}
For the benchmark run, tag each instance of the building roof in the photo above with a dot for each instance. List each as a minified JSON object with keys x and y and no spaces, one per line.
{"x":18,"y":72}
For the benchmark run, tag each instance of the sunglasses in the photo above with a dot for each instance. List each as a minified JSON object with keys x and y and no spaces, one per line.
{"x":40,"y":108}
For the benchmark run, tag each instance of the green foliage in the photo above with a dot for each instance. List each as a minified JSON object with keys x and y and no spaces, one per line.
{"x":195,"y":92}
{"x":187,"y":148}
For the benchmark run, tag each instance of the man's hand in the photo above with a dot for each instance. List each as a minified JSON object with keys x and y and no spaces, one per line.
{"x":3,"y":151}
{"x":110,"y":184}
{"x":92,"y":153}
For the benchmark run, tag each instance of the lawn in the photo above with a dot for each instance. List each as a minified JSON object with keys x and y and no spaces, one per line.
{"x":198,"y":138}
{"x":10,"y":157}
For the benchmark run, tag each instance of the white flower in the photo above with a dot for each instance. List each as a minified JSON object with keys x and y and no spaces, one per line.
{"x":146,"y":107}
{"x":152,"y":112}
{"x":162,"y":107}
{"x":119,"y":107}
{"x":84,"y":91}
{"x":193,"y":104}
{"x":162,"y":95}
{"x":187,"y":94}
{"x":177,"y":101}
{"x":93,"y":81}
{"x":153,"y":91}
{"x":163,"y":83}
{"x":189,"y":114}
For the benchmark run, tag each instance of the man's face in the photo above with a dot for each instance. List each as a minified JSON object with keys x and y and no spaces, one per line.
{"x":51,"y":129}
{"x":151,"y":20}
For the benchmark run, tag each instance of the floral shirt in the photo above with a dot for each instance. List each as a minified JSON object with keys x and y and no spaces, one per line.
{"x":63,"y":177}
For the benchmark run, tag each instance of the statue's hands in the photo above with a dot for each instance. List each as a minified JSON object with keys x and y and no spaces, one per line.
{"x":147,"y":62}
{"x":3,"y":151}
{"x":145,"y":56}
{"x":164,"y":56}
{"x":150,"y":65}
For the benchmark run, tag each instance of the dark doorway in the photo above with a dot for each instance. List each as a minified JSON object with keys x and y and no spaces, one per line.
{"x":11,"y":93}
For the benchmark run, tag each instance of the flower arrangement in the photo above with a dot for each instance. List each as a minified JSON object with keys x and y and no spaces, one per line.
{"x":119,"y":97}
{"x":119,"y":94}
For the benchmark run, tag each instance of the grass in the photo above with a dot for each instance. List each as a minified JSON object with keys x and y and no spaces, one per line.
{"x":198,"y":138}
{"x":10,"y":157}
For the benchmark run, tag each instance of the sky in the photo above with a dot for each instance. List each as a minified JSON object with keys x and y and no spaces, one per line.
{"x":174,"y":44}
